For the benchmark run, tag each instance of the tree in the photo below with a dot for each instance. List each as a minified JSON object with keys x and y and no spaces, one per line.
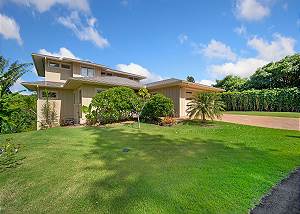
{"x":139,"y":103}
{"x":284,"y":73}
{"x":190,"y":79}
{"x":48,"y":111}
{"x":205,"y":105}
{"x":9,"y":74}
{"x":231,"y":83}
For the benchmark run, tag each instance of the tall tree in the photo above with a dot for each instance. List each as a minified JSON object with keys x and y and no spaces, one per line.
{"x":190,"y":79}
{"x":9,"y":74}
{"x":231,"y":83}
{"x":205,"y":105}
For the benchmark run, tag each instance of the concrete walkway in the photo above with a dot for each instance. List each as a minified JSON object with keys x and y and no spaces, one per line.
{"x":264,"y":121}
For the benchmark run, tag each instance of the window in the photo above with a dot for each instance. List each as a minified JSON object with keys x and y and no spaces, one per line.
{"x":103,"y":73}
{"x":189,"y":92}
{"x":51,"y":94}
{"x":66,"y":66}
{"x":98,"y":90}
{"x":54,"y":64}
{"x":109,"y":74}
{"x":188,"y":98}
{"x":87,"y":72}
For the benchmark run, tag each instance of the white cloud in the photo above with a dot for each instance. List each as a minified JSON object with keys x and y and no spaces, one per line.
{"x":182,"y":38}
{"x":274,"y":50}
{"x":242,"y":30}
{"x":298,"y":22}
{"x":139,"y":70}
{"x":207,"y":82}
{"x":217,"y":49}
{"x":45,"y":5}
{"x":10,"y":29}
{"x":251,"y":10}
{"x":285,"y":6}
{"x":63,"y":52}
{"x":124,"y":2}
{"x":244,"y":67}
{"x":84,"y":31}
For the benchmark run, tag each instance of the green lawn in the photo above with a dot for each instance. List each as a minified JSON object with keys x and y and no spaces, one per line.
{"x":264,"y":113}
{"x":216,"y":168}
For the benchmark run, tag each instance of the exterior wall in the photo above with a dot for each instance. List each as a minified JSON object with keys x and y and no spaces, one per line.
{"x":174,"y":94}
{"x":57,"y":74}
{"x":63,"y":105}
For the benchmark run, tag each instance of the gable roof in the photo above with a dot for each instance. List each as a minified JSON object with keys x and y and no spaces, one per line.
{"x":39,"y":63}
{"x":182,"y":83}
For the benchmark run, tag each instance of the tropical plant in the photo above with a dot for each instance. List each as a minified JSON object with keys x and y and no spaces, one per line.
{"x":190,"y":79}
{"x":90,"y":114}
{"x":157,"y":106}
{"x":9,"y":74}
{"x":48,"y":112}
{"x":205,"y":105}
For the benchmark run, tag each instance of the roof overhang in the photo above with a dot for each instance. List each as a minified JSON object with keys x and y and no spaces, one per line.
{"x":183,"y":84}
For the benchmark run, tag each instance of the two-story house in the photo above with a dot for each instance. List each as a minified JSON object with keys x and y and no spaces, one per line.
{"x":72,"y":83}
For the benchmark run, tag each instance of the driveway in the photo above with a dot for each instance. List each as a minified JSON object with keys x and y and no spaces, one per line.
{"x":264,"y":121}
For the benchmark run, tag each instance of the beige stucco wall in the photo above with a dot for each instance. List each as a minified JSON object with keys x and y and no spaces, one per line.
{"x":57,"y":74}
{"x":63,"y":105}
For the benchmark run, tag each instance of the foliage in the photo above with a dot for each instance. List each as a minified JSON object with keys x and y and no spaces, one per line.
{"x":168,"y":121}
{"x":263,"y":100}
{"x":114,"y":104}
{"x":9,"y":157}
{"x":231,"y":83}
{"x":281,"y":74}
{"x":157,"y":106}
{"x":140,"y":102}
{"x":9,"y":74}
{"x":90,"y":114}
{"x":49,"y":113}
{"x":205,"y":105}
{"x":190,"y":79}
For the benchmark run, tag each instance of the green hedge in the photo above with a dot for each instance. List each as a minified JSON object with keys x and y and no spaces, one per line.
{"x":263,"y":100}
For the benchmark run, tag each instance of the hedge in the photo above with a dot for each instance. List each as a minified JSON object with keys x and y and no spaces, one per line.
{"x":263,"y":100}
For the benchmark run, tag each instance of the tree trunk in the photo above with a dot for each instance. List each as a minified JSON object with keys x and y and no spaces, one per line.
{"x":139,"y":125}
{"x":203,"y":117}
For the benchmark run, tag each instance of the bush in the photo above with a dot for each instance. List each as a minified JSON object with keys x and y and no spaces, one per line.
{"x":263,"y":100}
{"x":9,"y":157}
{"x":113,"y":105}
{"x":158,"y":106}
{"x":168,"y":121}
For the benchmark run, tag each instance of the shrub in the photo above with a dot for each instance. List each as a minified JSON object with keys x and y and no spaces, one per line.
{"x":287,"y":99}
{"x":9,"y":157}
{"x":157,"y":106}
{"x":113,"y":105}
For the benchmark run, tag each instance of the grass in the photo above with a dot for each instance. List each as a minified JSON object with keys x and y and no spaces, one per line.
{"x":264,"y":113}
{"x":189,"y":168}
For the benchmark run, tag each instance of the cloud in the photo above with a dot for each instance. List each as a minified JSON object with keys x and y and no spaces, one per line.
{"x":207,"y":82}
{"x":84,"y":31}
{"x":45,"y":5}
{"x":274,"y":50}
{"x":182,"y":38}
{"x":63,"y":52}
{"x":124,"y":3}
{"x":298,"y":23}
{"x":244,"y":67}
{"x":242,"y":30}
{"x":285,"y":6}
{"x":217,"y":49}
{"x":10,"y":29}
{"x":139,"y":70}
{"x":251,"y":10}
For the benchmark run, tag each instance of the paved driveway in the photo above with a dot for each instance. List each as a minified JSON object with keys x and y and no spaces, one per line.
{"x":264,"y":121}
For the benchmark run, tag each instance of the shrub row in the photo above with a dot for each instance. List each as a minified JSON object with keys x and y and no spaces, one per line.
{"x":263,"y":100}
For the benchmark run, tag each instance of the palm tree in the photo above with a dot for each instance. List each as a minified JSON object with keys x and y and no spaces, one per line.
{"x":205,"y":105}
{"x":9,"y":74}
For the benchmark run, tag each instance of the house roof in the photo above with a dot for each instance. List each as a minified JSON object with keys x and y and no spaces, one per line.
{"x":105,"y":80}
{"x":39,"y":62}
{"x":183,"y":83}
{"x":75,"y":82}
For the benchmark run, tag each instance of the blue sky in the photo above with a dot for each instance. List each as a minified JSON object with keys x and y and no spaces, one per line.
{"x":159,"y":39}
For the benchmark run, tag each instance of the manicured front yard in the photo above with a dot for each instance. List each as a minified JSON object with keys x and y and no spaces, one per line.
{"x":217,"y":168}
{"x":264,"y":113}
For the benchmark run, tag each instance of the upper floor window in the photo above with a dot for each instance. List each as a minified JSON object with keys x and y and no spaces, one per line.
{"x":54,"y":64}
{"x":87,"y":72}
{"x":66,"y":66}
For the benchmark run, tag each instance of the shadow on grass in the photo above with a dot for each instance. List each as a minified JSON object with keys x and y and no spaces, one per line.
{"x":293,"y":136}
{"x":196,"y":122}
{"x":165,"y":173}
